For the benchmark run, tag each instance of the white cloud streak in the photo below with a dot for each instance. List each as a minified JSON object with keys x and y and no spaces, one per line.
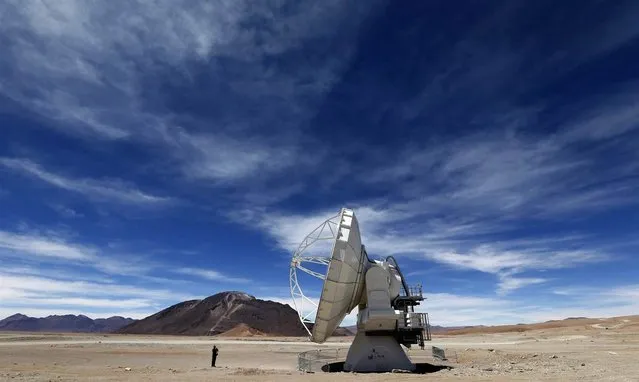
{"x":43,"y":246}
{"x":112,"y":190}
{"x":492,"y":260}
{"x":66,"y":302}
{"x":508,"y":284}
{"x":210,"y":274}
{"x":40,"y":295}
{"x":53,"y":248}
{"x":84,"y":65}
{"x":35,"y":286}
{"x":432,"y":240}
{"x":451,"y":310}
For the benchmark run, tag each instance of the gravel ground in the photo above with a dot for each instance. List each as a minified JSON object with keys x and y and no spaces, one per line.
{"x":583,"y":353}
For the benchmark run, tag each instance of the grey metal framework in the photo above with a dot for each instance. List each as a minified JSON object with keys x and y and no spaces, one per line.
{"x":414,"y":321}
{"x":305,"y":306}
{"x":415,"y":290}
{"x":313,"y":361}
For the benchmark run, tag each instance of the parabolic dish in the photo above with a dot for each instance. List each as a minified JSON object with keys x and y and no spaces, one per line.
{"x":344,"y":283}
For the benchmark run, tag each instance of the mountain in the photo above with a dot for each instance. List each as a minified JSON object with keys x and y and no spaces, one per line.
{"x":577,"y":323}
{"x":112,"y":324}
{"x":229,"y":313}
{"x":66,"y":323}
{"x":436,"y":329}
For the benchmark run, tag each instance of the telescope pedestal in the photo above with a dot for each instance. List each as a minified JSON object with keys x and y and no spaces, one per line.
{"x":376,"y":353}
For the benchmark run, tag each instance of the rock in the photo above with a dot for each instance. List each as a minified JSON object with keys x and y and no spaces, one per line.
{"x":491,"y":350}
{"x":583,"y":364}
{"x":127,"y":369}
{"x":535,"y":355}
{"x":488,"y":369}
{"x":612,"y":352}
{"x":400,"y":371}
{"x":553,"y":356}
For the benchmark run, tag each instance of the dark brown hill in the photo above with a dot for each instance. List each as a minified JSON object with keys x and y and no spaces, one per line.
{"x":220,"y":313}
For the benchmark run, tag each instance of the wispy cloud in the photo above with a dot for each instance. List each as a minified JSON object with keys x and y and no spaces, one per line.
{"x":39,"y":296}
{"x":66,"y":212}
{"x":113,"y":189}
{"x":91,"y":78}
{"x":466,"y":201}
{"x":52,"y":247}
{"x":210,"y":274}
{"x":451,"y":309}
{"x":508,"y":283}
{"x":591,"y":301}
{"x":224,"y":100}
{"x":394,"y":230}
{"x":493,"y":175}
{"x":44,"y":246}
{"x":492,"y":260}
{"x":616,"y":117}
{"x":624,"y":293}
{"x":74,"y":286}
{"x":67,"y":302}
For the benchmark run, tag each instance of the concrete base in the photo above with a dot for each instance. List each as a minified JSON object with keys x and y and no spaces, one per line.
{"x":376,"y":354}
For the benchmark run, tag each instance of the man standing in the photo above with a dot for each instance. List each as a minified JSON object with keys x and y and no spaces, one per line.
{"x":214,"y":356}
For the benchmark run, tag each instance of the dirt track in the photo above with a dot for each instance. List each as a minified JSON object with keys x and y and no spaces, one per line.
{"x":585,"y":352}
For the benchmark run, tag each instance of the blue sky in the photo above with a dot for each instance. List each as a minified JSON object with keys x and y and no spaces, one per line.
{"x":156,"y":152}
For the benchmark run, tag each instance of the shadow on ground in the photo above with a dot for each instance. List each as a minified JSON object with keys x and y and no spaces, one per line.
{"x":420,"y":368}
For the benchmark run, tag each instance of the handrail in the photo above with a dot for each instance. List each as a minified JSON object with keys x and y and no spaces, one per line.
{"x":406,"y":289}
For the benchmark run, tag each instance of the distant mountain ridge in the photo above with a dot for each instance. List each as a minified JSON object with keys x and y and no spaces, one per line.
{"x":224,"y":313}
{"x":65,"y":323}
{"x":229,"y":313}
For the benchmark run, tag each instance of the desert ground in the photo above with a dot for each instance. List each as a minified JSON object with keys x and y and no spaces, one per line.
{"x":579,"y":349}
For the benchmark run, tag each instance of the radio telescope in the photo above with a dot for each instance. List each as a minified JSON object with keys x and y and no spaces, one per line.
{"x":386,"y":318}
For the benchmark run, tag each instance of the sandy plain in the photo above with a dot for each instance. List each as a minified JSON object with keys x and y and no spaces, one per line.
{"x":584,"y":350}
